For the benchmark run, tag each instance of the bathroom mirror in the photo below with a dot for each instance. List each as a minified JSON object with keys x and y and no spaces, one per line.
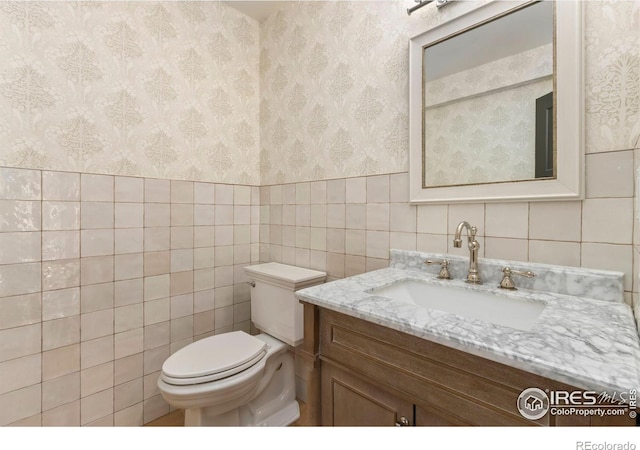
{"x":496,"y":105}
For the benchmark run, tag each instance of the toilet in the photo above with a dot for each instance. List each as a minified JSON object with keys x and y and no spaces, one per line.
{"x":235,"y":379}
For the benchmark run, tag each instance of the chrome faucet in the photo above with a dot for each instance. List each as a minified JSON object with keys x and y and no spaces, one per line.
{"x":473,"y":276}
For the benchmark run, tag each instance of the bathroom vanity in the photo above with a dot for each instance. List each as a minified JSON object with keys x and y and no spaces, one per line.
{"x":376,"y":360}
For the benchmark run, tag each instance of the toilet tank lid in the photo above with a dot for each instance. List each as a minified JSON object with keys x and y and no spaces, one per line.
{"x":283,"y":272}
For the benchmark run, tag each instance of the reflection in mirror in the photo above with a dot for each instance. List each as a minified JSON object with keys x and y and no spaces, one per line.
{"x":488,"y":102}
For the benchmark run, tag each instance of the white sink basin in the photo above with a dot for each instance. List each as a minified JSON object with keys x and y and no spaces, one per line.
{"x":510,"y":312}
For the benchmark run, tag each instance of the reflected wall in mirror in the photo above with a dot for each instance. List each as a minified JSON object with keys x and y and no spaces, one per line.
{"x":496,"y":105}
{"x":480,"y":91}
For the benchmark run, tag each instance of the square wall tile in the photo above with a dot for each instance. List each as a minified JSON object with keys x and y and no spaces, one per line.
{"x":609,"y":174}
{"x":128,"y":266}
{"x":378,"y":189}
{"x":129,"y":189}
{"x":378,"y":216}
{"x":20,"y":247}
{"x":97,"y":324}
{"x":204,"y":215}
{"x":555,"y":221}
{"x":60,"y":274}
{"x":399,"y":188}
{"x":597,"y":223}
{"x":156,"y":239}
{"x":60,"y":391}
{"x":609,"y":257}
{"x":60,"y":332}
{"x":224,"y":194}
{"x":20,"y":184}
{"x":98,"y":269}
{"x":60,"y":303}
{"x":181,"y":191}
{"x":20,"y":341}
{"x":204,"y":193}
{"x":61,"y":186}
{"x":403,"y":217}
{"x":158,"y":263}
{"x":507,"y":220}
{"x":63,"y":416}
{"x":20,"y":404}
{"x":356,"y":190}
{"x":60,"y":245}
{"x":509,"y":249}
{"x":96,"y":215}
{"x":128,"y":292}
{"x":181,"y":215}
{"x":60,"y":216}
{"x":336,"y":191}
{"x":129,"y":215}
{"x":128,"y":368}
{"x":96,"y":188}
{"x":96,"y":406}
{"x":96,"y":379}
{"x":129,"y":240}
{"x":97,"y":242}
{"x":303,"y":193}
{"x":436,"y":243}
{"x":129,"y":417}
{"x":18,"y":215}
{"x":318,"y":192}
{"x":128,"y":343}
{"x":20,"y":372}
{"x":20,"y":310}
{"x":16,"y":279}
{"x":432,"y":219}
{"x":555,"y":252}
{"x":157,"y":191}
{"x":128,"y":394}
{"x":60,"y":361}
{"x":157,"y":214}
{"x":96,"y":297}
{"x":97,"y":351}
{"x":241,"y":195}
{"x":128,"y":317}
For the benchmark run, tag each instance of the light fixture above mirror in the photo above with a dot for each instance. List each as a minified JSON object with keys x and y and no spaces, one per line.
{"x":496,"y":105}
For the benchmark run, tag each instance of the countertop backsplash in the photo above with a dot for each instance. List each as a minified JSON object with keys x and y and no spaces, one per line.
{"x":581,"y":282}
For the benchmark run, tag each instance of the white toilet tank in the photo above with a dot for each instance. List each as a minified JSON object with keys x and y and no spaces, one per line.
{"x":274,"y":307}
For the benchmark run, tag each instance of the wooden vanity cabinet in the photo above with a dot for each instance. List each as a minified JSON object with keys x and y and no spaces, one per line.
{"x":364,"y":374}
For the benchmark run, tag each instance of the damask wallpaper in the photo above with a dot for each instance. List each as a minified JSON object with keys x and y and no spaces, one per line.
{"x":334,"y":84}
{"x":334,"y":90}
{"x":155,"y":89}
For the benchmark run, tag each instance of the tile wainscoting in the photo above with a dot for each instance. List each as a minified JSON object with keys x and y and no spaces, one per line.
{"x":347,"y":226}
{"x":102,"y":278}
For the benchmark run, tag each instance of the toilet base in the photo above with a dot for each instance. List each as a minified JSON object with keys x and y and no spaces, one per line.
{"x":282,"y":418}
{"x":276,"y":404}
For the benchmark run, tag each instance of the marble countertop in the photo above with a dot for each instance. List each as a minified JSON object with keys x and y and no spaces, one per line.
{"x":588,"y":343}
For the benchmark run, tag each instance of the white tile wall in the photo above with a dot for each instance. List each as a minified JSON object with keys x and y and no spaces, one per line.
{"x":121,"y":275}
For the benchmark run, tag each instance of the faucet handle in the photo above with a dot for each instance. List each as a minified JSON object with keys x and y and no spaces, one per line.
{"x":444,"y":267}
{"x":507,"y":282}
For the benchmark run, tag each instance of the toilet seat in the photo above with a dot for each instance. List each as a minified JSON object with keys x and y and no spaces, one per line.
{"x":213,"y":358}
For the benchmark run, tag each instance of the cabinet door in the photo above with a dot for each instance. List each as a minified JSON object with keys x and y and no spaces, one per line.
{"x":348,"y":400}
{"x":435,"y":418}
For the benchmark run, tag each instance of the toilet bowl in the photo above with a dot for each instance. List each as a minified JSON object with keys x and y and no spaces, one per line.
{"x":235,"y":379}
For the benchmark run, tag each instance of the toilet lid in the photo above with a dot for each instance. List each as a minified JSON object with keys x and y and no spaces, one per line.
{"x":214,"y":357}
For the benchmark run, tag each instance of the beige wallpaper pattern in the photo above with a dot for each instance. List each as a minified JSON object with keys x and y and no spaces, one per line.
{"x":156,"y":89}
{"x":334,"y":85}
{"x":334,"y":90}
